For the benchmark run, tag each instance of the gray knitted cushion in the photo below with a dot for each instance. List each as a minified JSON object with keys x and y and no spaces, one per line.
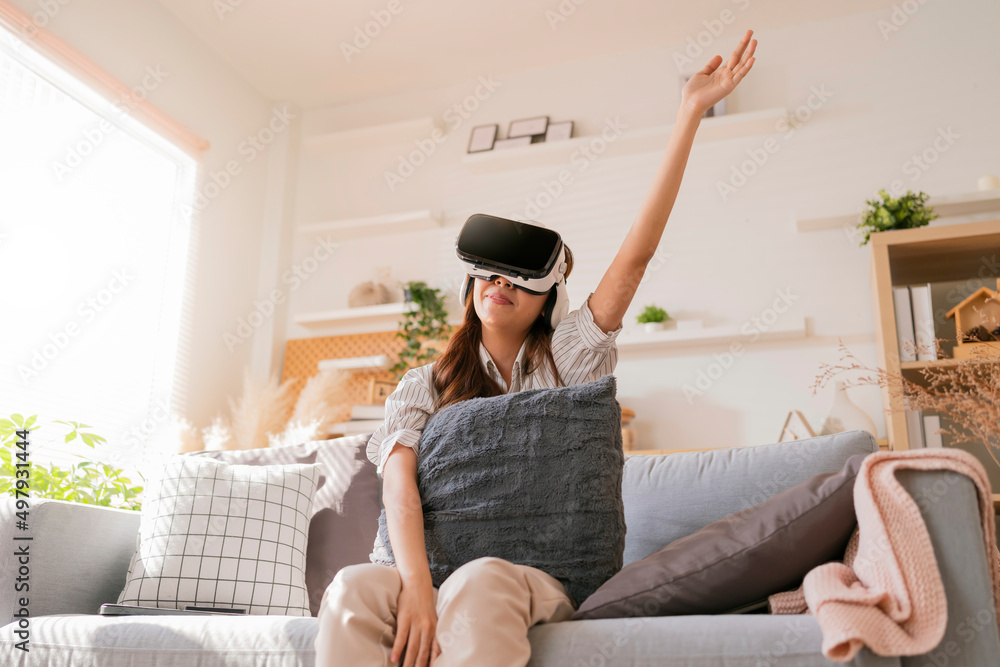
{"x":533,"y":477}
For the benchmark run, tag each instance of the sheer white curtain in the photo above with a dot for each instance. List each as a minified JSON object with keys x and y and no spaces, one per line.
{"x":95,"y":239}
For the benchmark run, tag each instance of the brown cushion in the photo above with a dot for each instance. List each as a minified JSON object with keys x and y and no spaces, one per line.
{"x":345,"y":510}
{"x":739,"y":560}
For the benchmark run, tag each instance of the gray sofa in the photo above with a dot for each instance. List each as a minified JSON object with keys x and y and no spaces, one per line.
{"x":80,"y":554}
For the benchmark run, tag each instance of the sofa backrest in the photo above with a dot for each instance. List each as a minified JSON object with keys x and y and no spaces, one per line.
{"x":80,"y":553}
{"x":669,"y":496}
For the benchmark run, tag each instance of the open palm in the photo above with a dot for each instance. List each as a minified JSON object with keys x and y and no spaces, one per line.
{"x":717,"y":79}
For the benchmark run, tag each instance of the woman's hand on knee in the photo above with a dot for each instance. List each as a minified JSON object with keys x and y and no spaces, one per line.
{"x":416,"y":625}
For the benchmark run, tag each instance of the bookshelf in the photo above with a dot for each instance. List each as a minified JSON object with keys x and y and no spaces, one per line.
{"x":932,"y":254}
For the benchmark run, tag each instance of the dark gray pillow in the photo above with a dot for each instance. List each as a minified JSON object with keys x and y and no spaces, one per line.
{"x":533,"y":477}
{"x":345,"y":509}
{"x":738,"y":561}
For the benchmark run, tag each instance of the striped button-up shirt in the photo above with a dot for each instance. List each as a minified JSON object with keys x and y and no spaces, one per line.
{"x":581,"y":350}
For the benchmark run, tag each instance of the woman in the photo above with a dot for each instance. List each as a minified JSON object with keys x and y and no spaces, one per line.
{"x":374,"y":614}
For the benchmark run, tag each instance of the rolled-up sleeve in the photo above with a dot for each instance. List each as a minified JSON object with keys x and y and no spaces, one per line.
{"x":582,"y":351}
{"x":407,"y":410}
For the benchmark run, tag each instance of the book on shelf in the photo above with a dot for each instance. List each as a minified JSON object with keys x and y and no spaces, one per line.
{"x":914,"y":429}
{"x":904,"y":323}
{"x":918,"y":324}
{"x":932,"y":424}
{"x":923,"y":321}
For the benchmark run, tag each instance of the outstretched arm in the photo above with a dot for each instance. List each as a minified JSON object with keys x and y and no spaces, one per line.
{"x":712,"y":83}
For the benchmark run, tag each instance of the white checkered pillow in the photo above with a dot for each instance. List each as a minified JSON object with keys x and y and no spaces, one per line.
{"x":215,"y":534}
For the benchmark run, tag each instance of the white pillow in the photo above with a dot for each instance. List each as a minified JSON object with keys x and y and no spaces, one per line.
{"x":216,"y":534}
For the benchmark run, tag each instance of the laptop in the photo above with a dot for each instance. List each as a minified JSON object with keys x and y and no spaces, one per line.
{"x":109,"y":609}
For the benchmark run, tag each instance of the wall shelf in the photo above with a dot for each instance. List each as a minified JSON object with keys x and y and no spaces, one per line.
{"x":376,"y":362}
{"x":937,"y":363}
{"x":636,"y":339}
{"x":366,"y":319}
{"x":385,"y":313}
{"x":377,"y":225}
{"x":951,"y":206}
{"x":731,"y":126}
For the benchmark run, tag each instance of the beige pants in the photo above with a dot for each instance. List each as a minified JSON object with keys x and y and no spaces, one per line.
{"x":484,"y":609}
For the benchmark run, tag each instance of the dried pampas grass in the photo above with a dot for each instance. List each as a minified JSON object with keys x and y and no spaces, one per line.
{"x":218,"y":436}
{"x":262,"y":409}
{"x":187,"y":437}
{"x":296,"y":433}
{"x":322,"y":399}
{"x":319,"y":405}
{"x":268,"y":415}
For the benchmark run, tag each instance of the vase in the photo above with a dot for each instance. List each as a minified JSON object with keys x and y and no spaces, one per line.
{"x":846,"y":415}
{"x":652,"y":326}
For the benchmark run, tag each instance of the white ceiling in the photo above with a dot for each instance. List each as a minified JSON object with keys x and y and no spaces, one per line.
{"x":291,"y":49}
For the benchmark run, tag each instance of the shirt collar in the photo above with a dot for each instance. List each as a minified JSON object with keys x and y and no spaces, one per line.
{"x":519,"y":362}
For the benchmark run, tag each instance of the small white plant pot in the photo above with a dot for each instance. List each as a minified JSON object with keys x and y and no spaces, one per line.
{"x":650,"y":327}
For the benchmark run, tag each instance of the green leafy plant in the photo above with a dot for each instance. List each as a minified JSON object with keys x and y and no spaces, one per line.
{"x":652,"y":314}
{"x":88,"y":482}
{"x":905,"y":212}
{"x":426,"y":323}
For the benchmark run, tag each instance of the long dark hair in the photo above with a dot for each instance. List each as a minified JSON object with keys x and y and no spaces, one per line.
{"x":458,"y":374}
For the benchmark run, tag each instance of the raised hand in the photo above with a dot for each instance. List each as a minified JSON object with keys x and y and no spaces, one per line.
{"x":717,"y":79}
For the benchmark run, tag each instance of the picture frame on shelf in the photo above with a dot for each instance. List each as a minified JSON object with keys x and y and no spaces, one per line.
{"x":719,"y":109}
{"x":560,"y":131}
{"x":379,"y":390}
{"x":513,"y":142}
{"x":796,"y":427}
{"x":482,"y":138}
{"x":528,"y":127}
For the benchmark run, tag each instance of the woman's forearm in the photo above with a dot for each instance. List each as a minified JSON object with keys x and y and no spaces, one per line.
{"x":404,"y":516}
{"x":644,"y":235}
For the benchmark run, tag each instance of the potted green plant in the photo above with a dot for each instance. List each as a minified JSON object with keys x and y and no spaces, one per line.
{"x":652,"y":318}
{"x":421,"y":327}
{"x":886,"y":213}
{"x":88,"y":482}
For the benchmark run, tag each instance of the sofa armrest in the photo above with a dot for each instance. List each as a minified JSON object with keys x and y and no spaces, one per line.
{"x":77,"y":560}
{"x":950,"y":509}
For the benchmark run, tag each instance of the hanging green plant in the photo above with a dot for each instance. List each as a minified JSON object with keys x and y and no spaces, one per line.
{"x":905,"y":212}
{"x":427,"y":323}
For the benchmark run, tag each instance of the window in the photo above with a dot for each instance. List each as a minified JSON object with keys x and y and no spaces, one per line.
{"x":95,"y":227}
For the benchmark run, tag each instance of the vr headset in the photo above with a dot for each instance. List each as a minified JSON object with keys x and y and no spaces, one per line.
{"x":533,"y":258}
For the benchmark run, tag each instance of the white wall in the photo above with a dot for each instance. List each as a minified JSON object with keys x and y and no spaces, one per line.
{"x":887,"y":97}
{"x":208,"y":96}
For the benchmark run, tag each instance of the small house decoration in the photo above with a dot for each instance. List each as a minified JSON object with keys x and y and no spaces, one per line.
{"x":977,"y":323}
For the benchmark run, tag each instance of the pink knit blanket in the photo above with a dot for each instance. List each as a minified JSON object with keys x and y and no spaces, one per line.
{"x":887,"y":594}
